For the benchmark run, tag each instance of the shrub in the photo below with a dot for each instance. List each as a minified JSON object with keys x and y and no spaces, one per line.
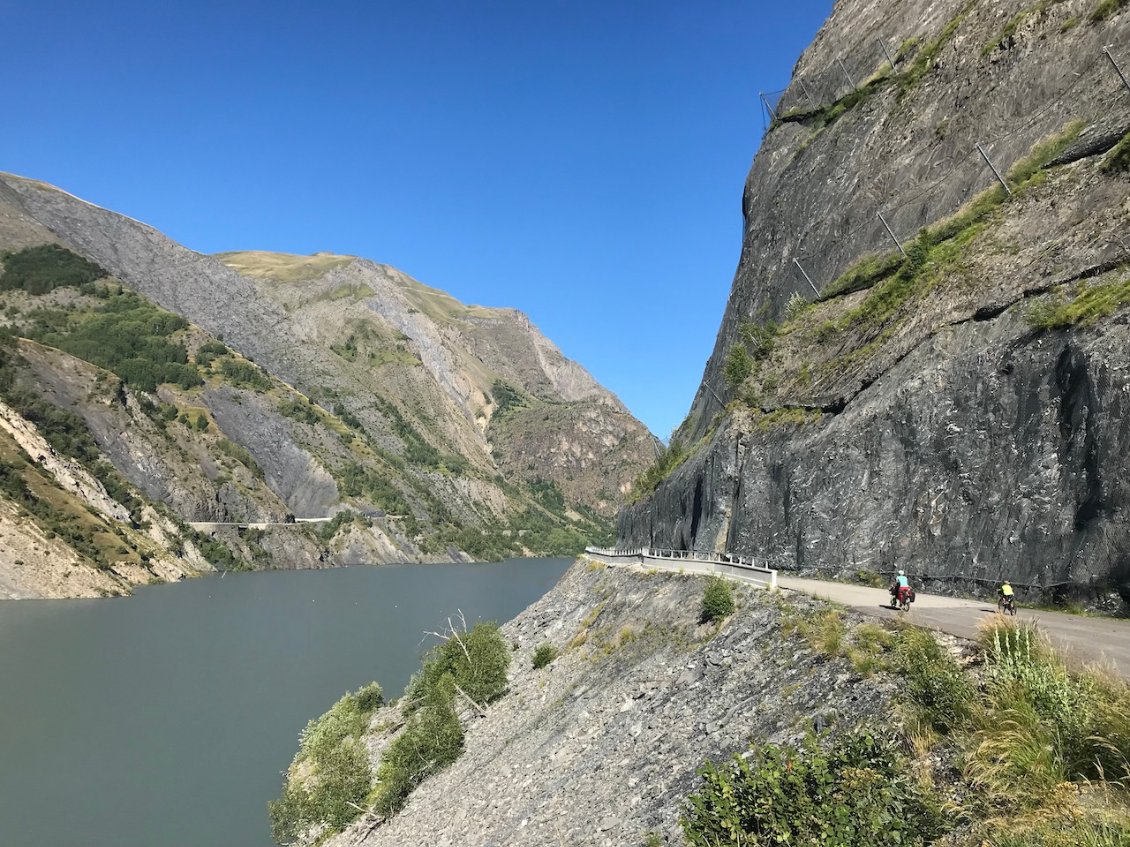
{"x":665,"y":464}
{"x":739,"y":365}
{"x":299,"y":409}
{"x":477,"y":662}
{"x":38,"y":270}
{"x":338,"y":776}
{"x":506,"y":397}
{"x":934,"y":682}
{"x":857,"y":792}
{"x":717,"y":600}
{"x":330,"y":528}
{"x":244,"y":374}
{"x":209,"y":351}
{"x":1043,"y":724}
{"x":545,"y":654}
{"x":430,"y":741}
{"x":473,"y":664}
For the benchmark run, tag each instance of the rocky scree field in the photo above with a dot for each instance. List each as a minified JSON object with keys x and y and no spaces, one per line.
{"x":629,"y":717}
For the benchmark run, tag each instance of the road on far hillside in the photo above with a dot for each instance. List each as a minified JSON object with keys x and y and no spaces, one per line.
{"x":1085,"y":638}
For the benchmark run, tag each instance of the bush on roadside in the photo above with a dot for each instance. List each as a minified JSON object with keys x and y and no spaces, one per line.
{"x":1044,"y":724}
{"x":935,"y":684}
{"x":717,"y":600}
{"x":857,"y":791}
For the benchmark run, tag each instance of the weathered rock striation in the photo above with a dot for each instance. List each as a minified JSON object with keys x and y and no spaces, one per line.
{"x":962,"y":411}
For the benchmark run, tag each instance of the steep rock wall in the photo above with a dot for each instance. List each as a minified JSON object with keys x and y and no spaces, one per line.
{"x":974,"y":458}
{"x":927,"y":417}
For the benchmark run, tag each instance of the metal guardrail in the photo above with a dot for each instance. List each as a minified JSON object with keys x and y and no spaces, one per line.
{"x":742,"y":568}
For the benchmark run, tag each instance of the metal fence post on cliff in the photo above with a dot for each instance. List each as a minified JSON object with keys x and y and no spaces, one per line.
{"x":1117,"y":69}
{"x":807,"y":278}
{"x":807,"y":93}
{"x":891,"y":233}
{"x":887,"y":53}
{"x":847,"y":76}
{"x":993,"y":167}
{"x":765,"y":103}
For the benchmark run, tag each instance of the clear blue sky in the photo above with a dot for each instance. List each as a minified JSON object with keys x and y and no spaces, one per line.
{"x":582,"y":161}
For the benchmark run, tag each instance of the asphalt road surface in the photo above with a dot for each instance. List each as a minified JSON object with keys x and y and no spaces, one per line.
{"x":1083,"y":638}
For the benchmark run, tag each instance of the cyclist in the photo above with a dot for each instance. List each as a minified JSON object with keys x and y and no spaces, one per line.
{"x":1005,"y":595}
{"x":900,"y":587}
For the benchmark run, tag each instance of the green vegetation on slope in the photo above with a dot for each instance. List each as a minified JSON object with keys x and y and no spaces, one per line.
{"x":243,"y":374}
{"x":937,"y":255}
{"x":924,"y":60}
{"x":1035,"y":10}
{"x":334,"y":768}
{"x":1107,"y":9}
{"x":38,"y":270}
{"x":857,"y":791}
{"x":331,"y":781}
{"x":1022,"y":750}
{"x":665,"y":464}
{"x":1118,"y":159}
{"x":825,"y":115}
{"x":506,"y":397}
{"x":125,"y":334}
{"x":65,"y":431}
{"x":717,"y":600}
{"x":1084,"y":304}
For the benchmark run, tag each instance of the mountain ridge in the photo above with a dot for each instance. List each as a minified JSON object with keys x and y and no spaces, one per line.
{"x":324,"y":384}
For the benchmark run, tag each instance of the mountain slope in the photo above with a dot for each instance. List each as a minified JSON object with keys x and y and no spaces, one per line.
{"x":955,"y":405}
{"x":340,"y":389}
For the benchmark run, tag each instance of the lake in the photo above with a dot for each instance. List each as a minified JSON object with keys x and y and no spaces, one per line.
{"x":167,"y":718}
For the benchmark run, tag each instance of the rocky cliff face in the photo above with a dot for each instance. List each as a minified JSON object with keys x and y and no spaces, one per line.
{"x":955,"y":405}
{"x":280,"y":386}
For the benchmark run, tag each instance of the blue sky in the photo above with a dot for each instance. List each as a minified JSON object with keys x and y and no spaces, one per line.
{"x":582,"y":161}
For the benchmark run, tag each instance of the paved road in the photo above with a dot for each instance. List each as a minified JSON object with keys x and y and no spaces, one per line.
{"x":1084,"y":638}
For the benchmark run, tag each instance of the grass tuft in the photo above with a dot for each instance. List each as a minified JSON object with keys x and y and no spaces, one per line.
{"x":1118,"y":159}
{"x":1081,"y":305}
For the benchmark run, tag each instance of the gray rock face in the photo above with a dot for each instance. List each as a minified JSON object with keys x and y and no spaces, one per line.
{"x":934,"y":426}
{"x":974,"y":458}
{"x":292,"y":472}
{"x":814,"y":192}
{"x":601,"y":746}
